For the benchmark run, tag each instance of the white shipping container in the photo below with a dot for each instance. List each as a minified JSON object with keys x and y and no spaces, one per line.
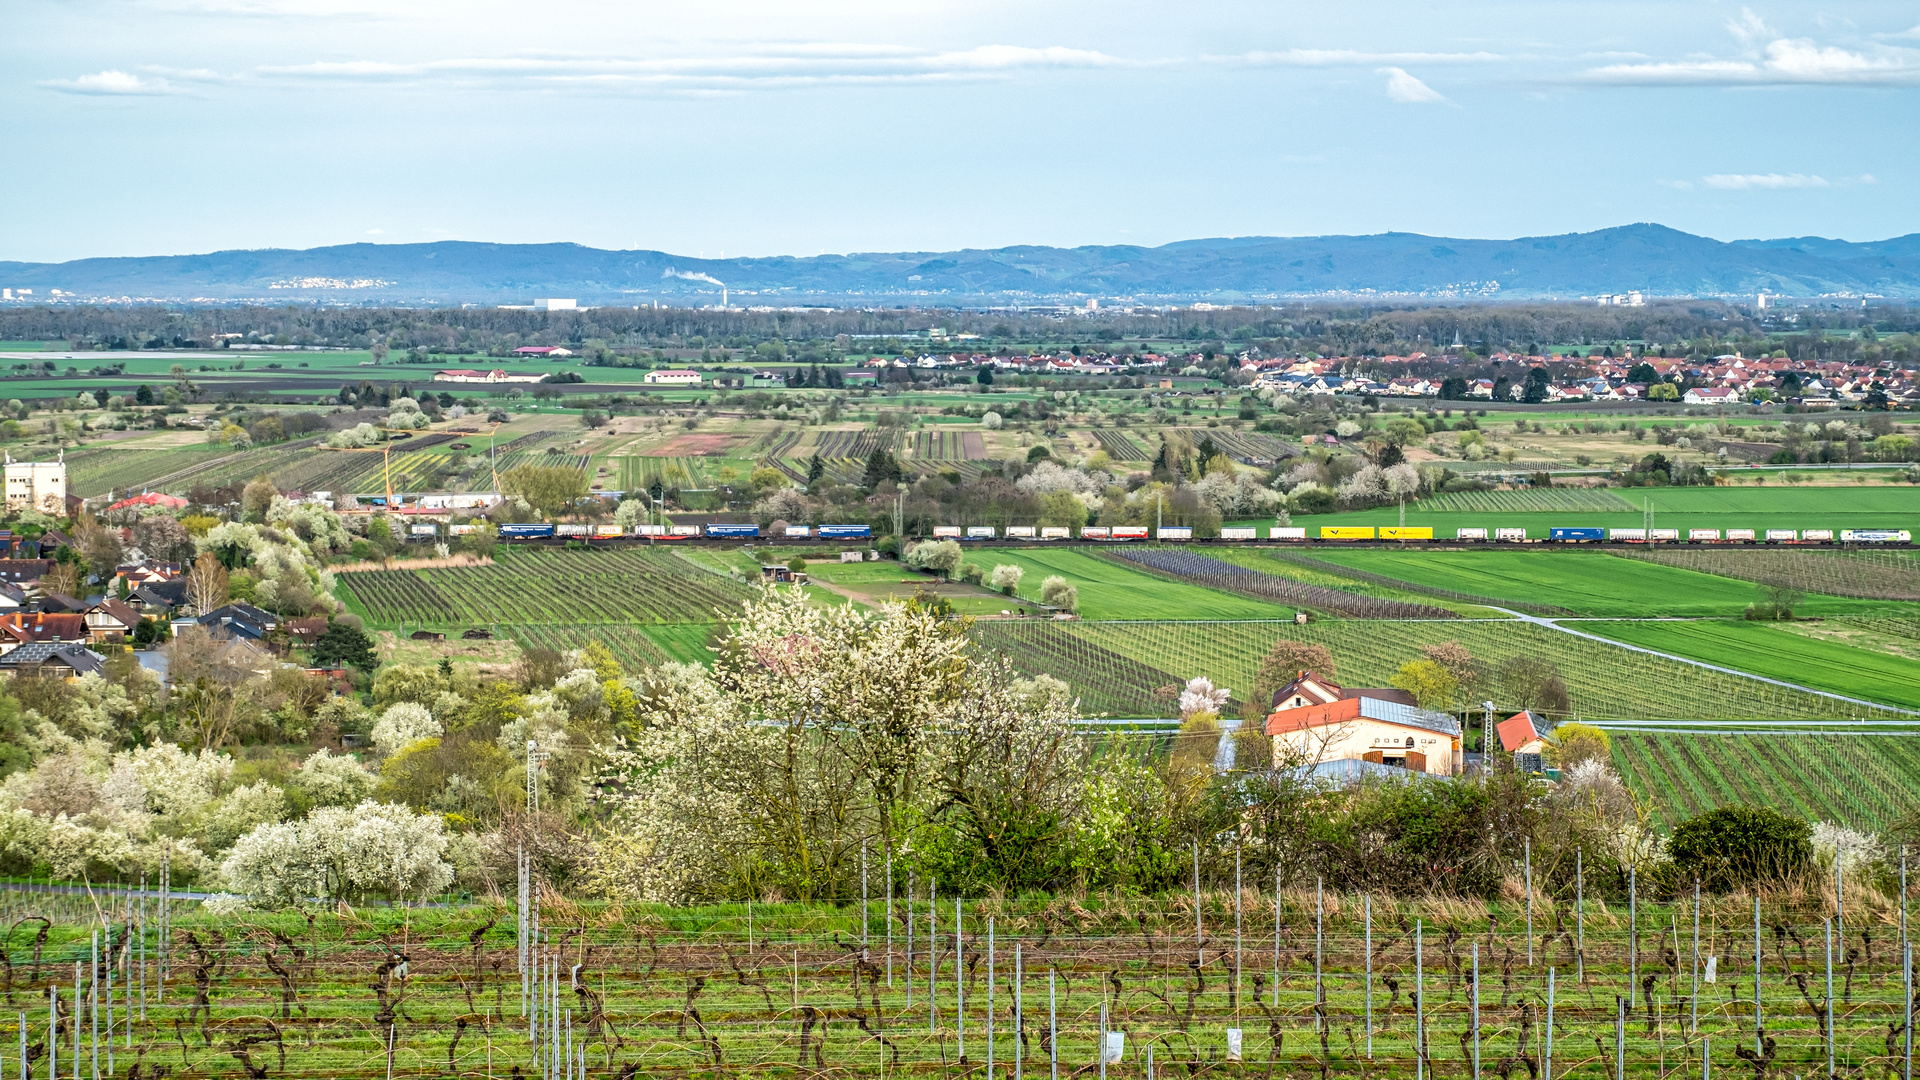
{"x":1657,"y":535}
{"x":1174,"y":532}
{"x":573,"y":530}
{"x":1776,"y":535}
{"x":1740,"y":534}
{"x":1295,"y":532}
{"x":461,"y":530}
{"x":1818,"y":534}
{"x":1703,"y":534}
{"x":799,"y":530}
{"x":1626,"y":534}
{"x":1233,"y":532}
{"x":980,"y":532}
{"x":1510,"y":534}
{"x":1056,"y":532}
{"x":1019,"y":530}
{"x":423,"y":530}
{"x":1469,"y":534}
{"x":946,"y":532}
{"x":1095,"y":532}
{"x":685,"y":530}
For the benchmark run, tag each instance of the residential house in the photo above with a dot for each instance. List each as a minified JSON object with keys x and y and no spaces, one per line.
{"x":12,"y":597}
{"x":111,"y":620}
{"x":1310,"y":689}
{"x":23,"y":628}
{"x":24,"y":571}
{"x":1524,"y":735}
{"x":1362,"y":728}
{"x":58,"y":659}
{"x":1711,"y":395}
{"x":235,"y":619}
{"x":160,"y":598}
{"x":307,"y":631}
{"x":467,"y":375}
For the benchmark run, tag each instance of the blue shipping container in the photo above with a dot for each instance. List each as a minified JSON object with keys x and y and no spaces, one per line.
{"x":518,"y":532}
{"x":846,"y":532}
{"x":733,"y":530}
{"x":1577,"y":534}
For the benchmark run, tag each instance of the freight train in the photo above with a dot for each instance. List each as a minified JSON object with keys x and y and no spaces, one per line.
{"x":1326,"y":534}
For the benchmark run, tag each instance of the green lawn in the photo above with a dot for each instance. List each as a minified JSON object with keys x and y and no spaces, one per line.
{"x":1111,"y":591}
{"x":1590,"y":582}
{"x":1778,"y":653}
{"x":1872,"y":505}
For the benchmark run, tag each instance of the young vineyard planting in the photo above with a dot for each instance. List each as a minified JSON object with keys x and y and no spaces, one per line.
{"x":1557,"y":500}
{"x":1225,"y":982}
{"x":641,"y":585}
{"x":1214,"y":573}
{"x":1868,"y":575}
{"x":1105,"y":681}
{"x":1866,"y":781}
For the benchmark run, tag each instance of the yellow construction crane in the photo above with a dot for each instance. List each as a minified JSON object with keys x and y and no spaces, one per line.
{"x":385,"y":450}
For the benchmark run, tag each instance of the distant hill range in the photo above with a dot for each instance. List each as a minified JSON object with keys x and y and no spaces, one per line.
{"x":1652,"y":259}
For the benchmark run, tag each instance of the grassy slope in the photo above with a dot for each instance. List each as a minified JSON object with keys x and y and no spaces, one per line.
{"x":1592,"y":582}
{"x":1839,"y":506}
{"x":1768,"y":650}
{"x":1111,"y":591}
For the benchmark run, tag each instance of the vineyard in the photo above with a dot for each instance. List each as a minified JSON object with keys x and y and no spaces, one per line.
{"x":642,"y":585}
{"x":636,"y":647}
{"x":1247,"y":447}
{"x":1865,"y":781}
{"x":1311,"y":563}
{"x":1216,"y":574}
{"x":1227,"y":981}
{"x":1106,"y":682}
{"x":1867,"y":575}
{"x":1559,"y":500}
{"x":942,"y":445}
{"x":858,"y":445}
{"x":1119,"y":446}
{"x":1607,"y":684}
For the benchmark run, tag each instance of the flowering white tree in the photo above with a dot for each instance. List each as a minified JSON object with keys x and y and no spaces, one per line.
{"x":333,"y":779}
{"x":817,"y":727}
{"x":403,"y":724}
{"x":1201,"y":696}
{"x":1006,"y":577}
{"x":340,"y":852}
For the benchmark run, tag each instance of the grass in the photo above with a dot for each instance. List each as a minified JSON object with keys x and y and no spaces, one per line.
{"x":1590,"y":582}
{"x":1109,"y":590}
{"x":1772,"y":651}
{"x":1877,"y":505}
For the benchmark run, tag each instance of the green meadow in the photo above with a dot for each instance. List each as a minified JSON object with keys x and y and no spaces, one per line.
{"x":1773,"y":651}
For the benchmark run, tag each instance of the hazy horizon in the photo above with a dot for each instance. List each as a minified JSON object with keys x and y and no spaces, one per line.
{"x":752,"y":129}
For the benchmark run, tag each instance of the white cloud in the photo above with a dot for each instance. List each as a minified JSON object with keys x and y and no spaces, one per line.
{"x":1749,"y":27}
{"x":1784,"y":61}
{"x":1764,"y":181}
{"x":1356,"y":58}
{"x":110,"y":84}
{"x":797,"y":65}
{"x":1407,"y":90}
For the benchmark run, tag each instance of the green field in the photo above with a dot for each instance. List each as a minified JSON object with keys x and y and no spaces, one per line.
{"x":1767,"y":649}
{"x":1873,"y":505}
{"x":1589,"y":582}
{"x":1109,"y":590}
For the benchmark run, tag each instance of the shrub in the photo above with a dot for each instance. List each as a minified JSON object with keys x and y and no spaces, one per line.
{"x":1006,"y":577}
{"x":1056,"y":593}
{"x":1739,"y":845}
{"x":972,"y":573}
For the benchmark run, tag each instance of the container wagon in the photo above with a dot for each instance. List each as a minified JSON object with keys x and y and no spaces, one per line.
{"x":1405,"y":532}
{"x":1346,"y":532}
{"x":1576,"y":535}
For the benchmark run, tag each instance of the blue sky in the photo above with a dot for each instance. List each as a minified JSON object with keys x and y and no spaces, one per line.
{"x":170,"y":126}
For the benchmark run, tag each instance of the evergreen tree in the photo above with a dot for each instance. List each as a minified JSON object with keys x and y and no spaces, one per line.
{"x":815,"y":470}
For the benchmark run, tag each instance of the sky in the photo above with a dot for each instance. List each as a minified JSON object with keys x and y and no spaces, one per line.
{"x":145,"y":127}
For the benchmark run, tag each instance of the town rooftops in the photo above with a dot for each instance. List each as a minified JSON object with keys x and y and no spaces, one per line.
{"x":151,"y":498}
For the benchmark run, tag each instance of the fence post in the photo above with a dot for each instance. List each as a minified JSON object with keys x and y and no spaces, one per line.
{"x":1419,"y":1001}
{"x":1546,"y":1064}
{"x":1693,"y":1004}
{"x":1529,"y":865}
{"x":1579,"y":916}
{"x":1053,"y":1031}
{"x":1758,"y":1019}
{"x":1368,"y":916}
{"x":1476,"y":1011}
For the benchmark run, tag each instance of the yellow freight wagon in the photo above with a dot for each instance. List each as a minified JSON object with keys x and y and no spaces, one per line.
{"x":1346,"y":532}
{"x":1405,"y":532}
